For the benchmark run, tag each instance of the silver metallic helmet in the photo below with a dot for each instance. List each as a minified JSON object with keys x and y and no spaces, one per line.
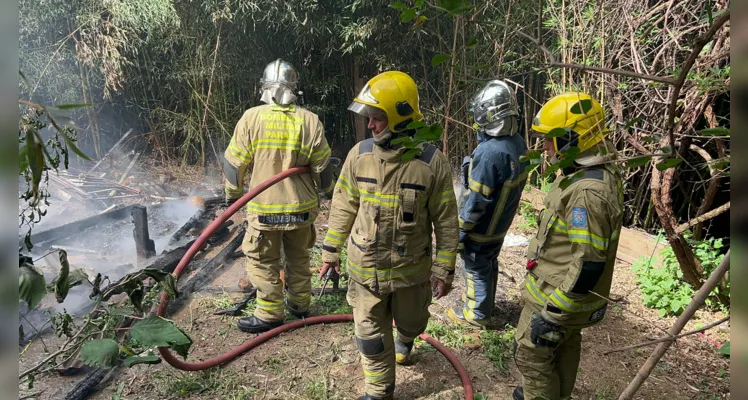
{"x":279,"y":81}
{"x":494,"y":109}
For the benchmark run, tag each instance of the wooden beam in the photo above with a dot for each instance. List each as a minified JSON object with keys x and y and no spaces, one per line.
{"x":77,"y":227}
{"x":632,"y":244}
{"x":144,"y":245}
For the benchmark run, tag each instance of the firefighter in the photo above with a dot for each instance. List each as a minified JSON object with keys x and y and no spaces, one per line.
{"x":387,"y":207}
{"x":272,"y":138}
{"x":571,"y":258}
{"x":493,"y":178}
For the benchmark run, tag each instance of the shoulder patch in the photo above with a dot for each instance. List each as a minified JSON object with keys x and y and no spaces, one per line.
{"x":579,"y":216}
{"x":428,"y":154}
{"x":366,"y":146}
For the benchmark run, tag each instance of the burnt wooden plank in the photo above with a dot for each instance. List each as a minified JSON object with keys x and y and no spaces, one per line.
{"x":76,"y":227}
{"x":145,"y":247}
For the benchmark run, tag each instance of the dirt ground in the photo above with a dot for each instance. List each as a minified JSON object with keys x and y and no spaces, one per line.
{"x":322,"y":362}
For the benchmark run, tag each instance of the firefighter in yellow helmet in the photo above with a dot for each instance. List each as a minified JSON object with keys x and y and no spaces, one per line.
{"x":571,"y":259}
{"x":387,"y":208}
{"x":273,"y":138}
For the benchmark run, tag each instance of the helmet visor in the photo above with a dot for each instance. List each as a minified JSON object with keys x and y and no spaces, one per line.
{"x":364,"y":109}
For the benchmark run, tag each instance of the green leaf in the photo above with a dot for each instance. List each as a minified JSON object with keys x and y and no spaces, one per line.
{"x":398,"y":5}
{"x":419,"y":3}
{"x":62,"y":284}
{"x":638,"y":161}
{"x":718,"y":131}
{"x":148,"y":359}
{"x":416,"y":125}
{"x":532,"y":155}
{"x":582,"y":107}
{"x":433,"y":132}
{"x":100,"y":353}
{"x":669,"y":163}
{"x":438,"y":59}
{"x":31,"y":285}
{"x":411,"y":153}
{"x":557,"y":132}
{"x":69,"y":142}
{"x":71,"y":106}
{"x":408,"y":15}
{"x":405,"y":140}
{"x":35,"y":156}
{"x":551,"y":169}
{"x":725,"y":349}
{"x":631,"y":122}
{"x":159,"y":332}
{"x":455,"y":6}
{"x":472,"y":42}
{"x":134,"y":290}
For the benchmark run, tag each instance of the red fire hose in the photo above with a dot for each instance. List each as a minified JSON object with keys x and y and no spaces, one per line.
{"x":262,"y":338}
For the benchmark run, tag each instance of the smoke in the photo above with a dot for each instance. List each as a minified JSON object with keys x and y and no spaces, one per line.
{"x":108,"y":249}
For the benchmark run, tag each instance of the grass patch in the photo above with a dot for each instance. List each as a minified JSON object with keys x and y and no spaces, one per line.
{"x":450,"y":335}
{"x":499,"y":347}
{"x":223,"y":384}
{"x":528,"y":214}
{"x":274,"y":364}
{"x":605,"y":393}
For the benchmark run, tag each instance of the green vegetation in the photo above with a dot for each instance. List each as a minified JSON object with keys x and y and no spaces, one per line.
{"x":664,"y":289}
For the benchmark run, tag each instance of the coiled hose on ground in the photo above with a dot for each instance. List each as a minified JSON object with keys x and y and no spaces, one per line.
{"x":262,"y":338}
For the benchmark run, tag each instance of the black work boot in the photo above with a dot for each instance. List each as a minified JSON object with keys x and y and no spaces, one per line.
{"x":519,"y":393}
{"x":369,"y":397}
{"x":402,"y":352}
{"x":299,"y":315}
{"x":255,"y":325}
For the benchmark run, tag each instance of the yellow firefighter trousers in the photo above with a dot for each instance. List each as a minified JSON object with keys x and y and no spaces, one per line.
{"x":263,"y":251}
{"x":373,"y":315}
{"x":547,"y":373}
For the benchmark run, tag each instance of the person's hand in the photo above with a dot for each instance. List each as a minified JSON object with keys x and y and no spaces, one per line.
{"x":439,"y":287}
{"x":326,"y":267}
{"x":544,"y":332}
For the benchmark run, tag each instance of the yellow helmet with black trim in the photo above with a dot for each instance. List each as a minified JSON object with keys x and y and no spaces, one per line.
{"x":393,"y":93}
{"x":578,"y":114}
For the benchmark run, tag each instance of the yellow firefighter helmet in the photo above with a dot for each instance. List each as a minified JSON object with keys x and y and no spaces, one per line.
{"x":393,"y":93}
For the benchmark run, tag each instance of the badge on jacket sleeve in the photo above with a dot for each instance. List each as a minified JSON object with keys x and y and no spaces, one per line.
{"x":579,"y":216}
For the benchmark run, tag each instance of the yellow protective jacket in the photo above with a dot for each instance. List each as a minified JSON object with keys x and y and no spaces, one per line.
{"x":574,"y":251}
{"x":387,"y":209}
{"x":274,"y":138}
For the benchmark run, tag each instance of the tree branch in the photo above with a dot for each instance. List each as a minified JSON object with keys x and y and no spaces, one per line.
{"x":703,"y":217}
{"x":690,"y":61}
{"x":668,"y":338}
{"x":631,"y":74}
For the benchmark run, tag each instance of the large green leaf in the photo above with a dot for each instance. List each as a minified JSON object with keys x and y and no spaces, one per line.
{"x":581,"y":107}
{"x":556,"y":132}
{"x":411,"y":153}
{"x":408,"y":15}
{"x":429,"y":134}
{"x":725,"y":349}
{"x":455,"y":6}
{"x":159,"y":332}
{"x":147,"y":359}
{"x":35,"y":157}
{"x":669,"y":163}
{"x":438,"y":59}
{"x":31,"y":285}
{"x":100,"y":353}
{"x":472,"y":42}
{"x":71,"y":145}
{"x":398,"y":5}
{"x":416,"y":125}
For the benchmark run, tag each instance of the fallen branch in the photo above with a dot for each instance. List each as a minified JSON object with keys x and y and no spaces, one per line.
{"x":669,"y":338}
{"x":703,"y":217}
{"x":698,"y":300}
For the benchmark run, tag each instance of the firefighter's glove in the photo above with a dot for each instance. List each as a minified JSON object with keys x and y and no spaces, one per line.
{"x":544,"y":333}
{"x":326,"y":266}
